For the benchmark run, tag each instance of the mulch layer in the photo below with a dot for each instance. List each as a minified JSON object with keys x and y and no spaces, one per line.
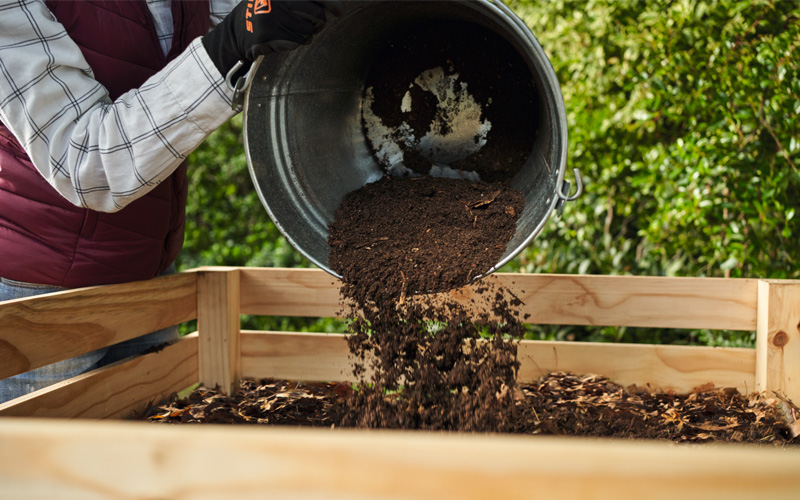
{"x":559,"y":404}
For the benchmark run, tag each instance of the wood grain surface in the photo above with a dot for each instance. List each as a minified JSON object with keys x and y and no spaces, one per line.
{"x":113,"y":460}
{"x":325,"y":357}
{"x":116,"y":390}
{"x":778,"y":339}
{"x":38,"y":331}
{"x":695,"y":303}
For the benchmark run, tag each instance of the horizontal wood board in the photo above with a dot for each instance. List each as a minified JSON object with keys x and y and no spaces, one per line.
{"x":325,"y":357}
{"x":643,"y":301}
{"x":116,"y":390}
{"x":41,"y":330}
{"x":43,"y":459}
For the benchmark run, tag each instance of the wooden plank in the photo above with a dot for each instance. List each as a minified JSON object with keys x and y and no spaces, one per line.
{"x":325,"y":357}
{"x":295,"y":356}
{"x":778,"y":339}
{"x":662,"y":367}
{"x":42,"y":330}
{"x":218,"y":325}
{"x":644,"y":301}
{"x":289,"y":292}
{"x":116,"y":390}
{"x":641,"y":301}
{"x":68,"y":460}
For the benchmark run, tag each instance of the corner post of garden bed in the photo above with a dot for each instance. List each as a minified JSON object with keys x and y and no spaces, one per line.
{"x":218,"y":327}
{"x":778,"y":339}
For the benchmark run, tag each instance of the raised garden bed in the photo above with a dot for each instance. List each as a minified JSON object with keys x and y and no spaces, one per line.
{"x":86,"y":459}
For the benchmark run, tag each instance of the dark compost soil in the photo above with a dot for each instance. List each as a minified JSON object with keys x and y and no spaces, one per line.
{"x":422,"y":358}
{"x":403,"y":236}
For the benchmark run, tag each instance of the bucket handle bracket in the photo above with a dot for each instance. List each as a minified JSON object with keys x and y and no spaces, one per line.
{"x":563,"y":194}
{"x":241,"y":85}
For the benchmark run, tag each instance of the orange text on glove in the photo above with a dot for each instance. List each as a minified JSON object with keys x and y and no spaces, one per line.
{"x":255,"y":7}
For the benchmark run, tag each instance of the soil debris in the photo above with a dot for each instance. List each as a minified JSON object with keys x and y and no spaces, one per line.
{"x":270,"y":402}
{"x":590,"y":405}
{"x":558,"y":404}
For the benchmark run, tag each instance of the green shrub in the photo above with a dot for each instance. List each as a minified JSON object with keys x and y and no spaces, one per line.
{"x":683,"y":121}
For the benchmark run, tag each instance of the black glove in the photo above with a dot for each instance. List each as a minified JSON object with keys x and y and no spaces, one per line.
{"x":259,"y":27}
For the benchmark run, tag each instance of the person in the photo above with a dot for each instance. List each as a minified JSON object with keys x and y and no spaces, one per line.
{"x":100,"y":104}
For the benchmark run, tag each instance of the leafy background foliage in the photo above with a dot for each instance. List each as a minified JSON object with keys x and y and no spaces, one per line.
{"x":683,"y":120}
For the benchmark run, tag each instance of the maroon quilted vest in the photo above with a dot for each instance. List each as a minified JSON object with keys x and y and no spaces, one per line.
{"x":44,"y":238}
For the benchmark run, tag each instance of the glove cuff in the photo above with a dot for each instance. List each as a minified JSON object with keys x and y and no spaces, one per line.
{"x":219,"y":45}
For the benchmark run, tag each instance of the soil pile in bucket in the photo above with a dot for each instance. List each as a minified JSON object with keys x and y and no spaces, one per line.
{"x":398,"y":237}
{"x":427,"y":361}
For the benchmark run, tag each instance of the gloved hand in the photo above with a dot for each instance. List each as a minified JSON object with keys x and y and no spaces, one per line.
{"x":260,"y":27}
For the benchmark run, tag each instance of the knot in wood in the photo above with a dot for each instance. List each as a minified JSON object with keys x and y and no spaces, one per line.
{"x":780,"y":339}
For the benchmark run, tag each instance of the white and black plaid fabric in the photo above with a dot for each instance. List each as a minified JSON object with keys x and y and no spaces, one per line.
{"x":97,"y":153}
{"x":162,"y":17}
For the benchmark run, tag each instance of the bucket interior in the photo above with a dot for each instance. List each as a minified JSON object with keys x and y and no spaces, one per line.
{"x":305,"y":137}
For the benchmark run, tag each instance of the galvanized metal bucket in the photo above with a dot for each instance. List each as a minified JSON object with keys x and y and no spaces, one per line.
{"x":305,"y":144}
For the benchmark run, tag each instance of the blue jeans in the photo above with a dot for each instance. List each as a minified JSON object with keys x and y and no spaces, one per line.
{"x":24,"y":383}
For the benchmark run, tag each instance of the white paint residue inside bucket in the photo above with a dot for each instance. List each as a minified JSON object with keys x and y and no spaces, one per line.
{"x":387,"y":151}
{"x":405,"y":105}
{"x":456,"y":131}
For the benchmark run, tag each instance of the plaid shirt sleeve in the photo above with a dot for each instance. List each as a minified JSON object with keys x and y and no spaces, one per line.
{"x":220,"y":9}
{"x":97,"y":153}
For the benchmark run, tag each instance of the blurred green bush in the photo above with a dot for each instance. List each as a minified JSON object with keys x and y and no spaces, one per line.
{"x":683,"y":120}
